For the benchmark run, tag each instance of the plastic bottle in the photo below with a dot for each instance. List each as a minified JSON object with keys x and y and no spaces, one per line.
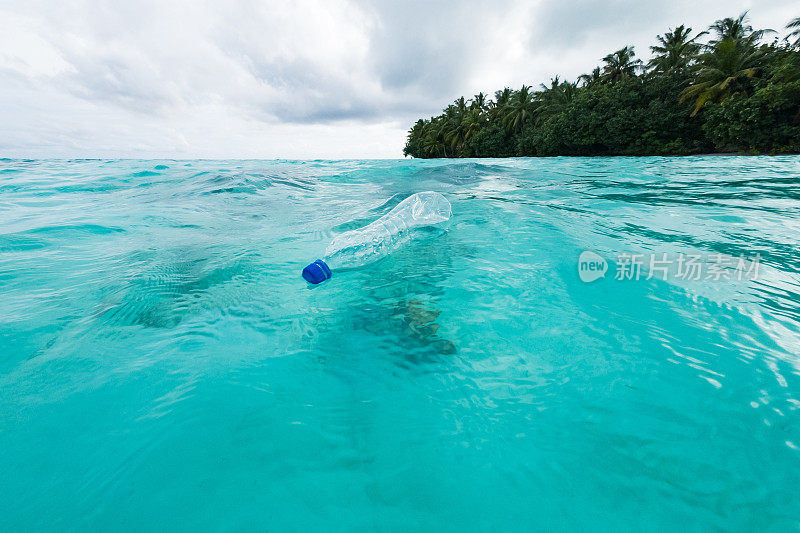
{"x":365,"y":245}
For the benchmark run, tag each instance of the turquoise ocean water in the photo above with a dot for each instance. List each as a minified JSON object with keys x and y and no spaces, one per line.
{"x":164,"y":366}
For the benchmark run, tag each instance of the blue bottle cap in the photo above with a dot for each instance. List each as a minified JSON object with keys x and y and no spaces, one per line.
{"x":317,"y":272}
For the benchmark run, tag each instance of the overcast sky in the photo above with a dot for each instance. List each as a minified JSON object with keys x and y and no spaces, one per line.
{"x":302,"y":79}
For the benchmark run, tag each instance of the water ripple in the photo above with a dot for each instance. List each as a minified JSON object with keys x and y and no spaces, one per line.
{"x":161,"y":357}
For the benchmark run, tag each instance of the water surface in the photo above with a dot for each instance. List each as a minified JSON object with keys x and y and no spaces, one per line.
{"x":164,"y":366}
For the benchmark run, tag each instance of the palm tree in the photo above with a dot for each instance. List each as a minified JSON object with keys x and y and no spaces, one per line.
{"x":728,"y":61}
{"x":454,"y":135}
{"x":479,"y":102}
{"x":432,"y":146}
{"x":723,"y":70}
{"x":795,"y":26}
{"x":415,"y":137}
{"x":453,"y":128}
{"x":737,"y":29}
{"x":501,"y":98}
{"x":596,"y":76}
{"x":472,"y":123}
{"x":554,"y":99}
{"x":460,"y":105}
{"x":519,"y":109}
{"x":431,"y":143}
{"x":620,"y":64}
{"x":675,"y":51}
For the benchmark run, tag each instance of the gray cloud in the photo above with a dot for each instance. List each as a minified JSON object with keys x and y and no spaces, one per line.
{"x":425,"y":51}
{"x":314,"y":77}
{"x":560,"y":24}
{"x":118,"y":81}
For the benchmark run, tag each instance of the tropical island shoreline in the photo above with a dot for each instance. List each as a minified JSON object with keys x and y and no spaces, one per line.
{"x":737,"y":93}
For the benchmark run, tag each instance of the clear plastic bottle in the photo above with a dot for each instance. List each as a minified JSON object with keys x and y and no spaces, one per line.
{"x":365,"y":245}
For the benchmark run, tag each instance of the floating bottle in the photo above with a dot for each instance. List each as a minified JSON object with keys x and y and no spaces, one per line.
{"x":368,"y":244}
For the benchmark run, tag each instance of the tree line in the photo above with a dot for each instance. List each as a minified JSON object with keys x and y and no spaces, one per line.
{"x":729,"y":89}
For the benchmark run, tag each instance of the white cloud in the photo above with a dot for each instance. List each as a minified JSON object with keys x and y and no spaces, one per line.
{"x":313,"y":78}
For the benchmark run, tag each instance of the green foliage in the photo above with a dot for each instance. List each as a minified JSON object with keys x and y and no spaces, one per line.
{"x":768,"y":122}
{"x":631,"y":117}
{"x":731,"y":94}
{"x":491,"y":141}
